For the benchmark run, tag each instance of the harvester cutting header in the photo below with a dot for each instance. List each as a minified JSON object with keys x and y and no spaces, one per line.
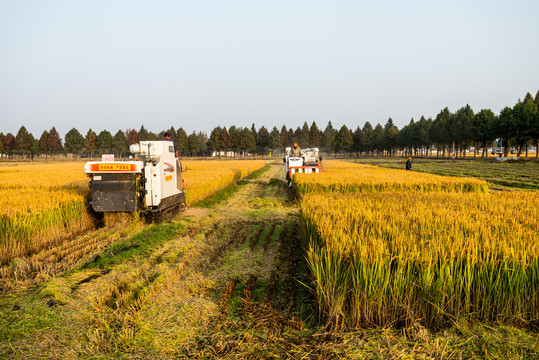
{"x":152,"y":182}
{"x":305,"y":161}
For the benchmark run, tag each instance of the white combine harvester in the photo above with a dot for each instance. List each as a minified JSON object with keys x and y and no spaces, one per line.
{"x":152,"y":183}
{"x":309,"y":162}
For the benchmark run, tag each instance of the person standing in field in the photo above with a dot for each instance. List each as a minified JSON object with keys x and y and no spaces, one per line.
{"x":409,"y":164}
{"x":296,"y":151}
{"x":166,"y":137}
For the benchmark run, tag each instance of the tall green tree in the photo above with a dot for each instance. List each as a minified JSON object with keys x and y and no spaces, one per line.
{"x":368,"y":137}
{"x":44,"y":143}
{"x":535,"y":128}
{"x":74,"y":142}
{"x":247,"y":141}
{"x":104,"y":141}
{"x":291,"y":139}
{"x":203,"y":141}
{"x":2,"y":150}
{"x":390,"y":135}
{"x":344,"y":141}
{"x":214,"y":142}
{"x":182,"y":141}
{"x":504,"y":128}
{"x":193,"y":143}
{"x":328,"y":137}
{"x":358,"y":141}
{"x":119,"y":143}
{"x":379,"y":138}
{"x":460,"y":127}
{"x":143,"y":134}
{"x":304,"y":138}
{"x":406,"y":139}
{"x":275,"y":139}
{"x":23,"y":140}
{"x":297,"y":136}
{"x":172,"y":134}
{"x":524,"y":114}
{"x":253,"y":131}
{"x":225,"y":142}
{"x":34,"y":149}
{"x":422,"y":134}
{"x":234,"y":139}
{"x":285,"y":141}
{"x":481,"y":130}
{"x":315,"y":136}
{"x":263,"y":140}
{"x":439,"y":131}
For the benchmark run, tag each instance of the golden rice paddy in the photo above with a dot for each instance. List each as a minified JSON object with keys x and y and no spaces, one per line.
{"x":444,"y":249}
{"x":43,"y":203}
{"x":349,"y":177}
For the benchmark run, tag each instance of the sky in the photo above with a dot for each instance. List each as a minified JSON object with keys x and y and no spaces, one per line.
{"x":199,"y":64}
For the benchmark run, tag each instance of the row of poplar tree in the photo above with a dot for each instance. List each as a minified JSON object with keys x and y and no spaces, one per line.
{"x":449,"y":133}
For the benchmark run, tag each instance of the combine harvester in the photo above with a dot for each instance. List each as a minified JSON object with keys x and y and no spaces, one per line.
{"x":152,"y":183}
{"x":309,"y":162}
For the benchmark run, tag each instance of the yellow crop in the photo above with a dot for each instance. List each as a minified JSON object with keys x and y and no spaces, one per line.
{"x":43,"y":203}
{"x":382,"y":258}
{"x":350,"y":177}
{"x":29,"y":188}
{"x":204,"y":178}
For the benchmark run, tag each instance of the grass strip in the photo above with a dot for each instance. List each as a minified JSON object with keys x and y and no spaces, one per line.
{"x":140,"y":244}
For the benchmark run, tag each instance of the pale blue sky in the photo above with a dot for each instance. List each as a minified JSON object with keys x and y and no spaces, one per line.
{"x":198,"y":64}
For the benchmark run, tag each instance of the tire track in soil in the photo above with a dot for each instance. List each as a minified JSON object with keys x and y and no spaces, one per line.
{"x":256,"y":236}
{"x":291,"y":284}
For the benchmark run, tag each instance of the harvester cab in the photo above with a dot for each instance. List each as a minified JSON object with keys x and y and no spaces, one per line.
{"x":309,"y":162}
{"x":151,"y":183}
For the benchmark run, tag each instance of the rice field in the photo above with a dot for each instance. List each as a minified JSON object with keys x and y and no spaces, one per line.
{"x":350,"y":177}
{"x":387,"y":257}
{"x":41,"y":204}
{"x":204,"y":178}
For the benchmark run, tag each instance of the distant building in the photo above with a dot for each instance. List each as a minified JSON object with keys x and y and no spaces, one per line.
{"x":223,"y":153}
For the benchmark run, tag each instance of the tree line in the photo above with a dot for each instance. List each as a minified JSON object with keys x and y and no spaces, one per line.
{"x":448,"y":133}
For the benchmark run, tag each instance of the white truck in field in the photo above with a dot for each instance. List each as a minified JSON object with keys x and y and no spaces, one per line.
{"x":309,"y":162}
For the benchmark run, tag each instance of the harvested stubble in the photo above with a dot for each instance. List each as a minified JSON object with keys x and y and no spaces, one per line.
{"x":394,"y":258}
{"x":349,"y":177}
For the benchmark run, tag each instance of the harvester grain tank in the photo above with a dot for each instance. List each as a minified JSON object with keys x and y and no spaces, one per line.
{"x":151,"y":183}
{"x":309,"y":162}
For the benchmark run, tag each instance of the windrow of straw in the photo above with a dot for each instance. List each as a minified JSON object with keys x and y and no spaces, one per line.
{"x":392,"y":258}
{"x":350,"y":177}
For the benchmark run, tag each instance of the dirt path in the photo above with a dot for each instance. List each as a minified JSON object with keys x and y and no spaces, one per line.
{"x":186,"y":288}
